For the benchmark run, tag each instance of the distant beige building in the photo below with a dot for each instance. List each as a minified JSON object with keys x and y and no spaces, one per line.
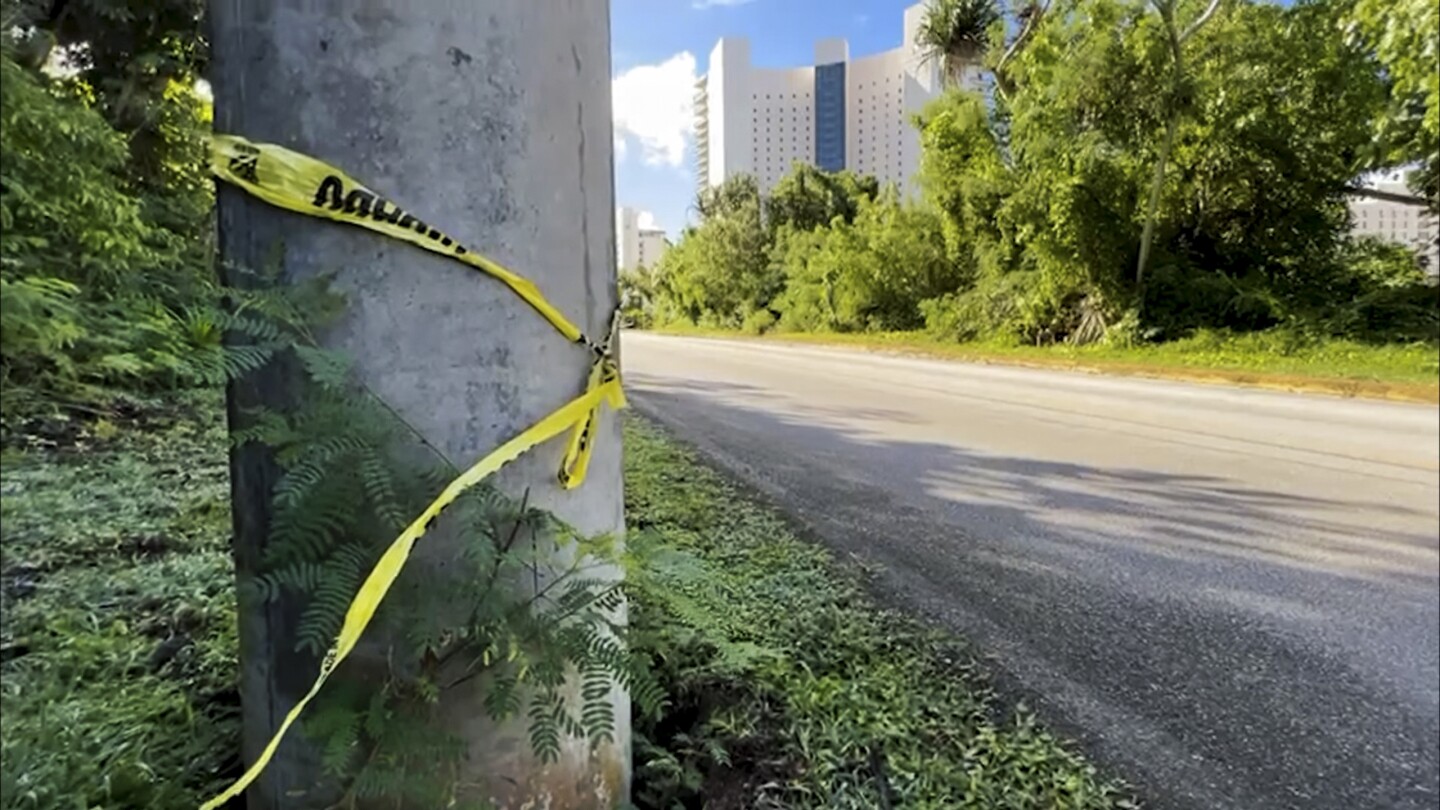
{"x":842,"y":112}
{"x":638,"y":243}
{"x":1409,"y":225}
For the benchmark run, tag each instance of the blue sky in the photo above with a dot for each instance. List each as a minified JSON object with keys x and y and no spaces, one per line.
{"x":658,"y":47}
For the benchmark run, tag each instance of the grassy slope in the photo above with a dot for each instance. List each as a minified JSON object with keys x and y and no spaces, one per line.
{"x":807,"y":685}
{"x":1271,"y":360}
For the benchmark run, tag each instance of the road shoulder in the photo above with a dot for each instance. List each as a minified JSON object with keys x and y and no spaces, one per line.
{"x":1335,"y":386}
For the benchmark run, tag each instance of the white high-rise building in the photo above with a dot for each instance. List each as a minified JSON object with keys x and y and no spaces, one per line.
{"x":1409,"y":225}
{"x":840,"y":113}
{"x":638,"y":243}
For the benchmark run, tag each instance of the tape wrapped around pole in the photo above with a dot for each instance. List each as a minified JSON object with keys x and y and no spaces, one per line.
{"x":305,"y":185}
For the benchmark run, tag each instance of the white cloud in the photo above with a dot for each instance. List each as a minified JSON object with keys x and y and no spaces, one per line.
{"x":645,"y":221}
{"x":704,"y":4}
{"x":654,"y":105}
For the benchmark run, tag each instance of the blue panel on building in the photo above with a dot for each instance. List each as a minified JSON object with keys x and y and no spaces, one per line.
{"x":830,"y":117}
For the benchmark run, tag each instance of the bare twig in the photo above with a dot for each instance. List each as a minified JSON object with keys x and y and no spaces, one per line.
{"x":1031,"y":23}
{"x":1387,"y":196}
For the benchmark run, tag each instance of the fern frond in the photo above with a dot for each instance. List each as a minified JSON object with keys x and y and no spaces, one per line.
{"x":308,"y":532}
{"x":502,"y":697}
{"x":338,"y":731}
{"x":547,"y":711}
{"x":329,"y":600}
{"x":582,"y":592}
{"x":259,"y":328}
{"x":281,"y":305}
{"x":647,"y":694}
{"x":318,"y":461}
{"x":330,"y":370}
{"x":237,"y":361}
{"x":597,"y":713}
{"x":266,"y":427}
{"x":379,"y":780}
{"x":303,"y":577}
{"x":377,"y":714}
{"x":379,"y":485}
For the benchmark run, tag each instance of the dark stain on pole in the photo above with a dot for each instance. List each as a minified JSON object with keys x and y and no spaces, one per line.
{"x":458,"y":56}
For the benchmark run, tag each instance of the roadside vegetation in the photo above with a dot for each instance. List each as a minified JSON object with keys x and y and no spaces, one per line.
{"x":783,"y":684}
{"x":789,"y":687}
{"x":1152,"y":184}
{"x":1278,"y":359}
{"x":769,"y":678}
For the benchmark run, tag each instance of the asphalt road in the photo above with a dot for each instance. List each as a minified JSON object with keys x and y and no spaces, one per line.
{"x":1231,"y":597}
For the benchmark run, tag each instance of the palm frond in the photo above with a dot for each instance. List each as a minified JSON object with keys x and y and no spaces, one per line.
{"x":956,"y":34}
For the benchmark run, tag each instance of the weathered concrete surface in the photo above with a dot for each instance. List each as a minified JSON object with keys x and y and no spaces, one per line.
{"x":1229,"y":595}
{"x":490,"y":120}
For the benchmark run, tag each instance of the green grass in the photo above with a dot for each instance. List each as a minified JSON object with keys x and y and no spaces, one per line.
{"x":119,"y":633}
{"x":786,"y":684}
{"x":1277,"y":358}
{"x":790,"y":685}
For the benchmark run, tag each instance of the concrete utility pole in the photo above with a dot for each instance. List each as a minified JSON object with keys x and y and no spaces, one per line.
{"x":490,"y":119}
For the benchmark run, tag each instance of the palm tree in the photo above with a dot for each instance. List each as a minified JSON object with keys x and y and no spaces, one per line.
{"x":1176,"y":38}
{"x":955,"y":34}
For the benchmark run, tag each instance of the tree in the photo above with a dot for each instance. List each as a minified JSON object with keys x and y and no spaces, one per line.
{"x":1248,"y":223}
{"x":1400,"y":34}
{"x":141,"y":62}
{"x":102,"y":296}
{"x":1175,"y":37}
{"x":720,"y":273}
{"x":960,"y":36}
{"x":1278,"y":127}
{"x":869,"y":275}
{"x":955,"y":34}
{"x":965,"y":176}
{"x":738,"y":192}
{"x":809,"y":198}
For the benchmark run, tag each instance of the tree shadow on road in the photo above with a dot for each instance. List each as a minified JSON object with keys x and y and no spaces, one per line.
{"x":1171,"y":621}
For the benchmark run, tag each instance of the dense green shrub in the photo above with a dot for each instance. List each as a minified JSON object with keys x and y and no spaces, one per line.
{"x":866,"y":275}
{"x":99,"y":298}
{"x":1003,"y":307}
{"x":637,"y":297}
{"x":720,"y":272}
{"x":758,"y":322}
{"x":1381,"y":295}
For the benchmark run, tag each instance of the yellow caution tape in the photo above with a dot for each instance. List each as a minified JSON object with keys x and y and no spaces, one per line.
{"x":303,"y":184}
{"x":577,"y":450}
{"x":372,"y":591}
{"x":296,"y":182}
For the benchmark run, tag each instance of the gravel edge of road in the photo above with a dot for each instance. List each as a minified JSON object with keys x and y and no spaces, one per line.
{"x":1341,"y":388}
